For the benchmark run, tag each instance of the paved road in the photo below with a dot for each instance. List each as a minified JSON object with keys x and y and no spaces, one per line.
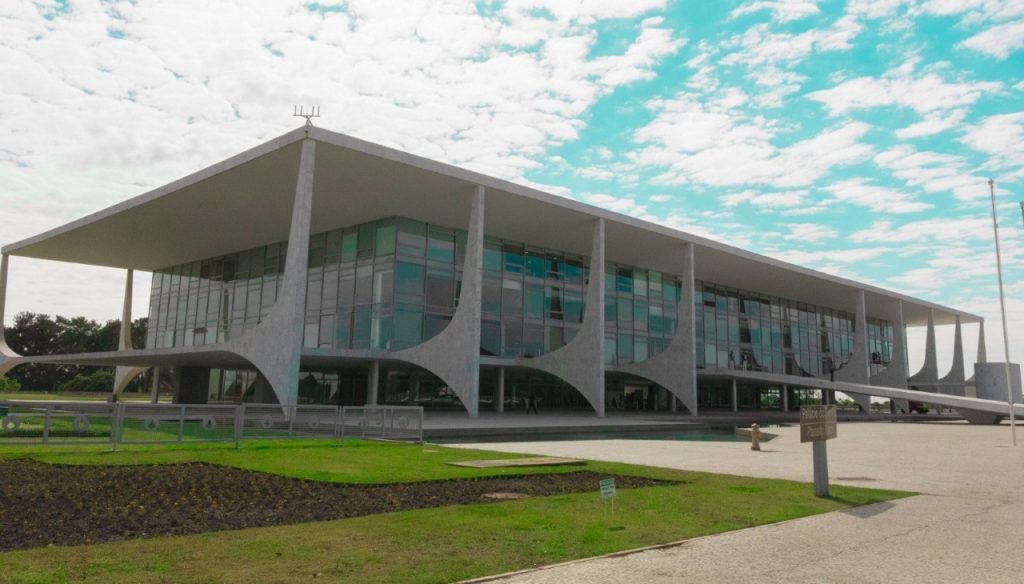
{"x":967,"y":525}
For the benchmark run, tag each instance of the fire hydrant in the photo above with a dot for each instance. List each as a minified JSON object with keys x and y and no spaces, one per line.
{"x":755,"y":437}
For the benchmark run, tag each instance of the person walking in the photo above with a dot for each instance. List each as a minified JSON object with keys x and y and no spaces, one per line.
{"x":531,"y":403}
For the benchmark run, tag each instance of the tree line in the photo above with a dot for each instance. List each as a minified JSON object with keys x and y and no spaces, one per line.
{"x":35,"y":334}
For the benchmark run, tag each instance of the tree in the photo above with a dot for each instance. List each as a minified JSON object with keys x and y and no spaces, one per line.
{"x":37,"y":334}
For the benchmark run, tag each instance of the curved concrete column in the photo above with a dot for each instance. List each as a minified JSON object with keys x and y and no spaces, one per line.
{"x":274,"y":346}
{"x":7,"y":355}
{"x":929,"y":373}
{"x":675,"y":368}
{"x":896,"y":374}
{"x":454,"y":354}
{"x":580,"y":363}
{"x":858,"y":369}
{"x":982,"y":354}
{"x":124,"y":375}
{"x":953,"y":382}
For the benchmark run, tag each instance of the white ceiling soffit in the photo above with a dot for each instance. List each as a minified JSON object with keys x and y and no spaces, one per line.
{"x":245,"y":201}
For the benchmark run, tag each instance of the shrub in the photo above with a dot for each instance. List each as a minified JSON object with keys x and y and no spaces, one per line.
{"x":8,"y":385}
{"x":99,"y":382}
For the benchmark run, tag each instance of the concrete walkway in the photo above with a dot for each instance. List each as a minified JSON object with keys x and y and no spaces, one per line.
{"x":967,"y":525}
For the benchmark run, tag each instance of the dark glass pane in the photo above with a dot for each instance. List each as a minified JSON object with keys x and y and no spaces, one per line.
{"x":536,"y":264}
{"x":412,"y":238}
{"x":440,"y":291}
{"x":408,"y":325}
{"x":553,"y":302}
{"x":491,"y":293}
{"x":512,"y":337}
{"x":364,"y":285}
{"x":409,"y":283}
{"x":513,"y":256}
{"x":441,"y":245}
{"x":624,"y":348}
{"x":492,"y":255}
{"x":367,"y":235}
{"x":534,"y":302}
{"x":490,"y":337}
{"x":385,"y":238}
{"x":533,"y":340}
{"x":511,"y":296}
{"x":348,"y":245}
{"x":573,"y":306}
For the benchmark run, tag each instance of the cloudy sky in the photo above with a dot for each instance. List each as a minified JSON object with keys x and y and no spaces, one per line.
{"x":856,"y":138}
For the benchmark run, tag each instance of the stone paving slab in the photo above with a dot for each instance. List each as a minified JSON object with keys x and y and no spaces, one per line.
{"x":964,"y":527}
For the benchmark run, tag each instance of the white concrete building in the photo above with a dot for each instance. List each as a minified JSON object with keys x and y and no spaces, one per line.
{"x":416,"y":282}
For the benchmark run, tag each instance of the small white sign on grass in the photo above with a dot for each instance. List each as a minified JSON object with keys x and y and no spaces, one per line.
{"x":607,"y":488}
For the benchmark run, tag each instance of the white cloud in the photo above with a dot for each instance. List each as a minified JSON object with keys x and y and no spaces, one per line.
{"x":660,"y":198}
{"x":759,"y":45}
{"x":875,"y":198}
{"x":933,"y":172}
{"x":769,"y":200}
{"x":782,"y":10}
{"x":933,"y":123}
{"x":926,"y":230}
{"x":810,"y":232}
{"x":715,"y":143}
{"x":840,"y":256}
{"x":998,"y":41}
{"x":89,"y":119}
{"x":924,"y":94}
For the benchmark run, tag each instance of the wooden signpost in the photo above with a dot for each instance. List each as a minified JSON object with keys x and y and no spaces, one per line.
{"x":818,"y":424}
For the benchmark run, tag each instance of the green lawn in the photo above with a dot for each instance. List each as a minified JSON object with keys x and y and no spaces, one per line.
{"x":432,"y":545}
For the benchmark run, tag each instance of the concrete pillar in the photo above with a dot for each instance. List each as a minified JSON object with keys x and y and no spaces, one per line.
{"x":929,"y":373}
{"x":6,"y":353}
{"x":580,"y":363}
{"x":675,"y":368}
{"x":454,"y":354}
{"x":499,"y":400}
{"x":982,"y":355}
{"x":124,"y":375}
{"x":274,"y":346}
{"x":373,"y":383}
{"x":154,"y":386}
{"x":896,"y":374}
{"x":785,"y":397}
{"x":954,"y":382}
{"x":858,"y":368}
{"x":672,"y":399}
{"x":735,"y":399}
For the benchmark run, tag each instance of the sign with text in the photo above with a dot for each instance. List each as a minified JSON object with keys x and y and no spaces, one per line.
{"x":607,"y":488}
{"x":817,"y":423}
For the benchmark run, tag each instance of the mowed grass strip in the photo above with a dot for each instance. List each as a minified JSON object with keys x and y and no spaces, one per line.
{"x":431,"y":545}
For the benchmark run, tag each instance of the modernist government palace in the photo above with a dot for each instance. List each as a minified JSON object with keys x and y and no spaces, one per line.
{"x":319,"y":268}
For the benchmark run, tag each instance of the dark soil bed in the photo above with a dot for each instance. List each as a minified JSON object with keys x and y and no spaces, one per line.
{"x":42,"y":504}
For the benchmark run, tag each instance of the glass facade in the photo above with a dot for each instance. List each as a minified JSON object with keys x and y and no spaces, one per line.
{"x":640,"y":312}
{"x":394,"y":283}
{"x":743,"y":330}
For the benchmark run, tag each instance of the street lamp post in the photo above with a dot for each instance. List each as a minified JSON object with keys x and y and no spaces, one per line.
{"x":1002,"y":308}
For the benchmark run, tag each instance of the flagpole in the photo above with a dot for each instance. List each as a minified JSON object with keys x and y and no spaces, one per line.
{"x":1002,"y":308}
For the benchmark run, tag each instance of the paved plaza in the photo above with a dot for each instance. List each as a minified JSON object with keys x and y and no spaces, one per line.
{"x":965,"y":526}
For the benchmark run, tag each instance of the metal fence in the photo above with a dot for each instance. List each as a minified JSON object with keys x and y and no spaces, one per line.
{"x":77,"y":422}
{"x":392,"y":422}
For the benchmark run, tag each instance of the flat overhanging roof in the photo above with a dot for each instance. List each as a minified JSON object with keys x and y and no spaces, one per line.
{"x":246,"y":201}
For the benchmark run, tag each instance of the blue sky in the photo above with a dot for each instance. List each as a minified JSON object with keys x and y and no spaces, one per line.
{"x":852,"y":137}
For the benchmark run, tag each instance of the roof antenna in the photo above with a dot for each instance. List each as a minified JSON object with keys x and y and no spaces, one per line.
{"x":300,"y":112}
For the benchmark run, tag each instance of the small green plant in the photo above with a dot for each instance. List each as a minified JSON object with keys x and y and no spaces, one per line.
{"x":8,"y":385}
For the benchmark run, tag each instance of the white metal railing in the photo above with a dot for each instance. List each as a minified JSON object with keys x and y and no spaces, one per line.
{"x":78,"y":422}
